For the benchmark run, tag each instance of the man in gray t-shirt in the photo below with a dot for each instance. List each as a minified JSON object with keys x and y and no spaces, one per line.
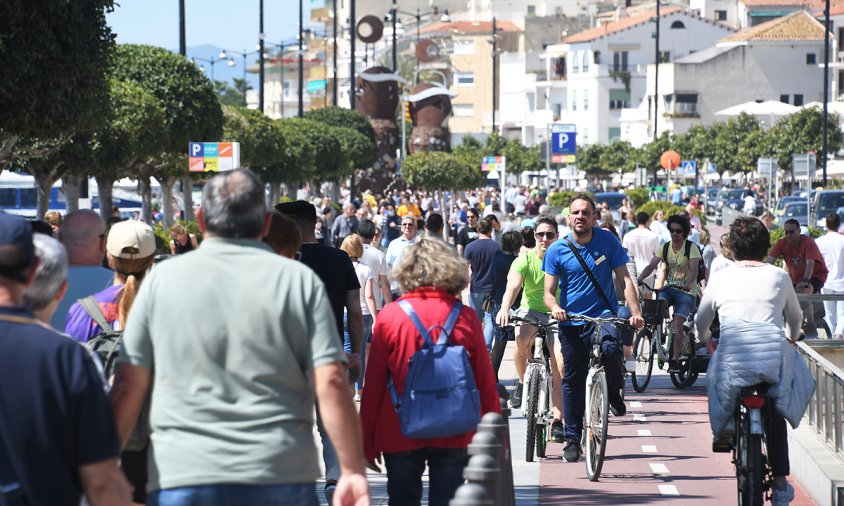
{"x":240,"y":340}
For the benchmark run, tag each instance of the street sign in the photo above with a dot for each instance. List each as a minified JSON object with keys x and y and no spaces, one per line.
{"x":689,"y":167}
{"x":567,"y":128}
{"x":494,"y":163}
{"x":558,"y":158}
{"x":766,"y":167}
{"x":563,"y":143}
{"x":213,"y":156}
{"x":804,"y":165}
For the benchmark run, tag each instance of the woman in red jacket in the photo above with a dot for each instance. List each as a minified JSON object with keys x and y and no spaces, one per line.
{"x":432,"y":277}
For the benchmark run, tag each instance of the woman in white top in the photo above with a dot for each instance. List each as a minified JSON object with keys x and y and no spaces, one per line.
{"x":353,"y":246}
{"x":751,"y":291}
{"x":658,"y":227}
{"x":831,"y":246}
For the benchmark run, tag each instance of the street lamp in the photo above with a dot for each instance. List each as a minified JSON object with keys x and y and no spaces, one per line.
{"x":494,"y":70}
{"x":225,"y":56}
{"x":394,"y":12}
{"x":211,"y":61}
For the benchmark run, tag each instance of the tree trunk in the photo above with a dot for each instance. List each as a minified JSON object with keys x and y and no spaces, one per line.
{"x":44,"y":183}
{"x":145,"y":190}
{"x":104,"y":193}
{"x":274,"y":196}
{"x":187,"y":197}
{"x":167,"y":201}
{"x":71,"y":187}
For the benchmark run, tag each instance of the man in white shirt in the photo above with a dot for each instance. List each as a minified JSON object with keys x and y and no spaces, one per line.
{"x":832,"y":249}
{"x":376,"y":261}
{"x":397,"y":246}
{"x":642,"y":244}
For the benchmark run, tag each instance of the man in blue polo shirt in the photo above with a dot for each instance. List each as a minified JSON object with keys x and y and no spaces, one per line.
{"x":603,"y":254}
{"x":61,"y":443}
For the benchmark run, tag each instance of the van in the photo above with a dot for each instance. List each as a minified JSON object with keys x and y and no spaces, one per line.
{"x":826,"y":201}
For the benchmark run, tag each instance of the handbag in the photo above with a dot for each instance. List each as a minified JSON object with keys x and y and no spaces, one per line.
{"x":591,"y":277}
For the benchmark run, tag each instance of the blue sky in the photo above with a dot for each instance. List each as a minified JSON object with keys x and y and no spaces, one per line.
{"x":225,"y":24}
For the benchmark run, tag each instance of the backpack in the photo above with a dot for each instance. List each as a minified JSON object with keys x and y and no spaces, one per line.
{"x":440,"y":398}
{"x":701,"y":267}
{"x":106,"y":345}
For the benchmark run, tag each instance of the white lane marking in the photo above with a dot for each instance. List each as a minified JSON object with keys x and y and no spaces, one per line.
{"x":644,"y":432}
{"x":668,"y":490}
{"x":659,"y":468}
{"x":639,"y":417}
{"x":648,"y":449}
{"x":635,"y":404}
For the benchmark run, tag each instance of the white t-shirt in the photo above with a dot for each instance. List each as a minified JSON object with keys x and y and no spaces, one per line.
{"x":831,"y":245}
{"x":718,"y":263}
{"x":364,"y":273}
{"x":755,"y":293}
{"x":377,"y":261}
{"x":642,"y":245}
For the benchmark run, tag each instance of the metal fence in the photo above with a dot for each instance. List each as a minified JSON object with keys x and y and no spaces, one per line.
{"x":826,"y":409}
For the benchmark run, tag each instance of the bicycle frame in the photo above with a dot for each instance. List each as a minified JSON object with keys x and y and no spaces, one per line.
{"x":753,"y":474}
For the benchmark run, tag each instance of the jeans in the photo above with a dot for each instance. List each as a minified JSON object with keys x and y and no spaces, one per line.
{"x":405,"y":469}
{"x":329,"y":454}
{"x":777,"y":437}
{"x":681,"y":301}
{"x":576,"y":343}
{"x":292,"y":494}
{"x":367,"y":333}
{"x":834,"y":312}
{"x":476,"y":302}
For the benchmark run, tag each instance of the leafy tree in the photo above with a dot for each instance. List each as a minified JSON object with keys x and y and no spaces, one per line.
{"x":360,"y":150}
{"x":193,"y":111}
{"x":438,"y":170}
{"x":232,"y":95}
{"x":803,"y":132}
{"x":339,"y":117}
{"x":589,"y":159}
{"x":297,"y":162}
{"x":53,"y":55}
{"x":330,"y":163}
{"x":648,"y":155}
{"x":619,"y":155}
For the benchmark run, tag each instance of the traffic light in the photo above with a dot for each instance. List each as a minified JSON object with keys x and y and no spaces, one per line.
{"x":407,"y":112}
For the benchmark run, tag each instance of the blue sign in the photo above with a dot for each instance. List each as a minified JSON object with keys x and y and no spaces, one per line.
{"x":689,"y":166}
{"x":197,"y":149}
{"x":564,"y":143}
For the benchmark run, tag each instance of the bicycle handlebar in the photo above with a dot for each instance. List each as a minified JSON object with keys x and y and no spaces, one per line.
{"x":601,"y":319}
{"x":649,"y":287}
{"x":516,"y":318}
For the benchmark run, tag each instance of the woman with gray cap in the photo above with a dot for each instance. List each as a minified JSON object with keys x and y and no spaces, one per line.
{"x":130,"y":249}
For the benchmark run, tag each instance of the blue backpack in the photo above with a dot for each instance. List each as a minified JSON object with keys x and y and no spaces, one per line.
{"x":440,"y":398}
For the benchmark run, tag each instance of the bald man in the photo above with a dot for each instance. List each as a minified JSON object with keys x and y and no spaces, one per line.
{"x":84,"y":237}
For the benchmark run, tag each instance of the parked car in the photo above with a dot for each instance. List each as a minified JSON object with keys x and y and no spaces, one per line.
{"x":785,"y":200}
{"x":797,"y":210}
{"x":733,"y":198}
{"x":802,"y":193}
{"x":710,"y":199}
{"x":825,"y":202}
{"x":613,"y":199}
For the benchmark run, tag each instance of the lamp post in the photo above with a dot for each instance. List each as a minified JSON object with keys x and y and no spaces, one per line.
{"x":211,"y":61}
{"x":301,"y":61}
{"x":224,"y":54}
{"x":394,"y":12}
{"x":494,"y":71}
{"x":825,"y":90}
{"x":281,"y":50}
{"x":261,"y":56}
{"x":334,"y":58}
{"x":656,"y":80}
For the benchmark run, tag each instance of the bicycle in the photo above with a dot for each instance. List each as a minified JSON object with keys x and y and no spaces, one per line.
{"x":657,"y":338}
{"x":596,"y":415}
{"x":754,"y":478}
{"x":536,"y":389}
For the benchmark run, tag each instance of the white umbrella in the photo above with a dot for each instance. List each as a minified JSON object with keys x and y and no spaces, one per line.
{"x":833,"y":107}
{"x":766,"y":108}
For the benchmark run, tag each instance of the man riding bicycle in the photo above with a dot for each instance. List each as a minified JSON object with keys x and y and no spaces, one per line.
{"x":602,"y":254}
{"x":526,"y":273}
{"x":679,"y":275}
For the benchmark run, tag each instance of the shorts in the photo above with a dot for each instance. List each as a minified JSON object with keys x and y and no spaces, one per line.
{"x":681,"y":301}
{"x":553,"y":331}
{"x":816,"y":283}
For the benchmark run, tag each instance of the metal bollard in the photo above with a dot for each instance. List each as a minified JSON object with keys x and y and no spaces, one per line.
{"x":497,"y":424}
{"x":470,"y":494}
{"x":483,"y":470}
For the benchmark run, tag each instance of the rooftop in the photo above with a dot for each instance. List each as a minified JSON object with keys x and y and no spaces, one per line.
{"x":480,"y":27}
{"x":618,"y":26}
{"x":703,"y":55}
{"x":798,"y":26}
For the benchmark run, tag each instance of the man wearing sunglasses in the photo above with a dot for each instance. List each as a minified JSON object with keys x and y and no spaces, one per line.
{"x":679,"y":275}
{"x":805,"y":265}
{"x":468,"y":233}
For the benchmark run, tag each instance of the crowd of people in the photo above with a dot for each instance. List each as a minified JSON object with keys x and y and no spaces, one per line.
{"x":234,"y":350}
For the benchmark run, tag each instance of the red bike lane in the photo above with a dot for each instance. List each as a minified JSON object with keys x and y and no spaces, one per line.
{"x":659,"y":452}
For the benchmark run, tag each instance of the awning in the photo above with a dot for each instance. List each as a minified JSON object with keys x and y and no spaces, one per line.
{"x":316,"y":86}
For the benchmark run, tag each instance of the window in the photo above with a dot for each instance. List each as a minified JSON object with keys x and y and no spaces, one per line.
{"x":784,"y":99}
{"x":664,"y":56}
{"x":8,"y":197}
{"x":798,"y":100}
{"x":720,"y":15}
{"x":619,"y":61}
{"x":575,"y":62}
{"x":586,"y":136}
{"x":614,"y":134}
{"x":685,"y":104}
{"x":531,"y":10}
{"x":464,"y":78}
{"x":586,"y":61}
{"x":286,"y":89}
{"x":464,"y":110}
{"x":677,"y":25}
{"x":585,"y":100}
{"x":560,"y":66}
{"x":841,"y":82}
{"x":574,"y":100}
{"x":811,"y":58}
{"x":464,"y":47}
{"x":619,"y":99}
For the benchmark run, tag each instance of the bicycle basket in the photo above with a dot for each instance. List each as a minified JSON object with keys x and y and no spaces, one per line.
{"x":653,"y":311}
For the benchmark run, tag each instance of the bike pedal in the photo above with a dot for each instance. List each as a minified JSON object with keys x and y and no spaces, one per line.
{"x":722,"y":446}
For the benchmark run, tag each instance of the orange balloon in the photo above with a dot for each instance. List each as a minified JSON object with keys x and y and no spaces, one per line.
{"x":670,"y":160}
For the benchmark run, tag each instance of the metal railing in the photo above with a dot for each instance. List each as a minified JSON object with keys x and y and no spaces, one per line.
{"x":826,"y":409}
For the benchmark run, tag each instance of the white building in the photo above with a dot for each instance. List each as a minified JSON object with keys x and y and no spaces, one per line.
{"x":606,"y":66}
{"x":777,"y":60}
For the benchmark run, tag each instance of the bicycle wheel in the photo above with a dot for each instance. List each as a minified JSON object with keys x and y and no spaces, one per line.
{"x":643,"y":350}
{"x":749,"y":465}
{"x":531,"y":413}
{"x":541,"y":439}
{"x":663,"y":337}
{"x":596,"y":425}
{"x":686,"y":374}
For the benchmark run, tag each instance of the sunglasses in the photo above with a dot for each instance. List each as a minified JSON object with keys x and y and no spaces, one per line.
{"x":411,"y":225}
{"x":546,"y":235}
{"x":676,"y":230}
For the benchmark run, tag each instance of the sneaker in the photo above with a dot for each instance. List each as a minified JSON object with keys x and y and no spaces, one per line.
{"x":516,"y":397}
{"x":557,"y":432}
{"x":571,"y":453}
{"x":782,"y":497}
{"x":674,"y":366}
{"x":330,"y":488}
{"x":630,"y":365}
{"x":617,"y":407}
